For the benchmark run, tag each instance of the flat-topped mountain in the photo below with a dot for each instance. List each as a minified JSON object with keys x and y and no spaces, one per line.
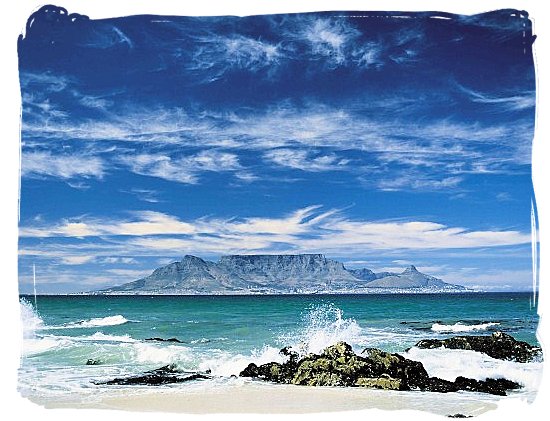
{"x":276,"y":274}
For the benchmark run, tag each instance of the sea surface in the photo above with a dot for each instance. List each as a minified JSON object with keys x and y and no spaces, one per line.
{"x":224,"y":334}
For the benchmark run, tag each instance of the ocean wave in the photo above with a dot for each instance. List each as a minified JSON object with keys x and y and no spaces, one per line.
{"x":95,"y":322}
{"x":102,"y":337}
{"x":322,"y":326}
{"x":225,"y":364}
{"x":448,"y":364}
{"x":460,"y":327}
{"x":40,"y":345}
{"x":161,"y":354}
{"x":30,"y":319}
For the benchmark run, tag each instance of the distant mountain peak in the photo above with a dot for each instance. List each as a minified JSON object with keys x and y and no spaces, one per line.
{"x":409,"y":270}
{"x":191,"y":257}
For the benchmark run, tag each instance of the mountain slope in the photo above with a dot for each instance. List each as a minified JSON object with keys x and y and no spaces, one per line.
{"x":273,"y":274}
{"x":411,"y":278}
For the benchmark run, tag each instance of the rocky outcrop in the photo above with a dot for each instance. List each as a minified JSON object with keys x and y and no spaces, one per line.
{"x":499,"y":345}
{"x":164,"y":375}
{"x":338,"y":365}
{"x":274,"y":274}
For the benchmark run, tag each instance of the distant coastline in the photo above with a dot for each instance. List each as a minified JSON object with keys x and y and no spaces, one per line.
{"x":277,"y":274}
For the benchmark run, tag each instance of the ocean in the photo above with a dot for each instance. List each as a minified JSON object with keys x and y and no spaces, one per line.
{"x":224,"y":334}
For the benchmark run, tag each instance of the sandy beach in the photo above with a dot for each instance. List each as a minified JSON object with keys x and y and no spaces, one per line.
{"x":270,"y":399}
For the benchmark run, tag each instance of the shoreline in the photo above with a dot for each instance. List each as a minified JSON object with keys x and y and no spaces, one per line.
{"x":272,"y":399}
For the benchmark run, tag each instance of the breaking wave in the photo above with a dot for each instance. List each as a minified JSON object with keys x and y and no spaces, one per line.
{"x":95,"y":322}
{"x":322,"y":326}
{"x":460,"y":327}
{"x":448,"y":364}
{"x":30,"y":319}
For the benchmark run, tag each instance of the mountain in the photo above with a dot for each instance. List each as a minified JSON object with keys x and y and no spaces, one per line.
{"x":275,"y":274}
{"x":411,"y":278}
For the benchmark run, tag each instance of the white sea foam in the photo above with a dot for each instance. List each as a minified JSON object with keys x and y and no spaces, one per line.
{"x":322,"y":326}
{"x":39,"y":345}
{"x":30,"y":319}
{"x":225,"y":364}
{"x":95,"y":322}
{"x":160,"y":354}
{"x":448,"y":364}
{"x":459,"y":327}
{"x":100,"y":336}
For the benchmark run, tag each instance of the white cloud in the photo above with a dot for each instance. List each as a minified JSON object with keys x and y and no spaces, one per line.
{"x":305,"y":160}
{"x":418,"y":182}
{"x":76,"y":260}
{"x":145,"y":223}
{"x":117,"y":260}
{"x":184,"y":169}
{"x":330,"y":38}
{"x":46,"y":80}
{"x":304,"y":230}
{"x":516,"y":102}
{"x":62,"y":166}
{"x":216,"y":55}
{"x":94,"y":102}
{"x":289,"y":136}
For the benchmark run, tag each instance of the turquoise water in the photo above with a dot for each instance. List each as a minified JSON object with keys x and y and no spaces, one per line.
{"x":224,"y":333}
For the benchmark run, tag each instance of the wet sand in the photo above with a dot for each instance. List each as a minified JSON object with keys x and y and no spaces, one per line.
{"x":269,"y":399}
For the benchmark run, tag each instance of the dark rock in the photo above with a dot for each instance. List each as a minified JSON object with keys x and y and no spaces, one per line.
{"x":435,"y":384}
{"x":498,"y":345}
{"x":459,"y":416}
{"x":412,"y":373}
{"x":492,"y":386}
{"x":165,"y":340}
{"x":338,"y":365}
{"x":164,"y":375}
{"x":91,"y":361}
{"x":251,"y":370}
{"x":274,"y":372}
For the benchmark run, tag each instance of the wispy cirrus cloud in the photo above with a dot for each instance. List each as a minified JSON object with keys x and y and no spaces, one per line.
{"x":290,"y":136}
{"x":41,"y":164}
{"x":214,"y":56}
{"x":516,"y":102}
{"x":417,"y":182}
{"x":305,"y":160}
{"x":183,"y":169}
{"x":184,"y":144}
{"x":330,"y":39}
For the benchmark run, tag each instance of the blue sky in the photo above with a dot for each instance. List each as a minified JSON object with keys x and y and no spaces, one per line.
{"x":379,"y":141}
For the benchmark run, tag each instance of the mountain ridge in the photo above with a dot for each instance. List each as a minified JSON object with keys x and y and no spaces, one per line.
{"x":275,"y":274}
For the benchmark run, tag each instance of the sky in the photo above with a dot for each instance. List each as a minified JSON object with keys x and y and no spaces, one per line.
{"x":378,"y":140}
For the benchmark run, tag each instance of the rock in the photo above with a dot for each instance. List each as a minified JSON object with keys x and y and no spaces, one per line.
{"x":459,"y":416}
{"x":165,"y":340}
{"x":91,"y":361}
{"x":274,"y":372}
{"x":412,"y":373}
{"x":164,"y":375}
{"x":382,"y":382}
{"x":338,"y":365}
{"x":498,"y":345}
{"x":492,"y":386}
{"x":435,"y":384}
